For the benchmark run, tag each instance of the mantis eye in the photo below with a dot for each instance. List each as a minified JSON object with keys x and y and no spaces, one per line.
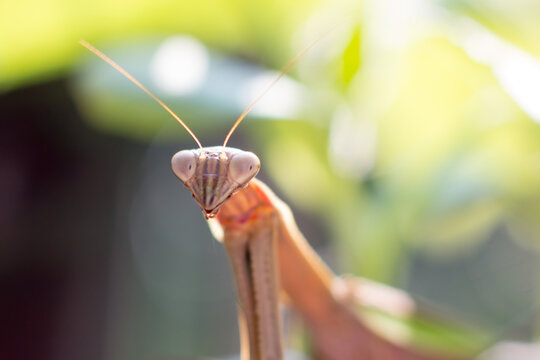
{"x":183,"y":164}
{"x":243,"y":167}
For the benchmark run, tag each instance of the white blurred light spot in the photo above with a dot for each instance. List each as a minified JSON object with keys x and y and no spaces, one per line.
{"x":352,"y":144}
{"x":517,"y":71}
{"x":180,"y":65}
{"x":281,"y":101}
{"x":393,"y":23}
{"x":512,"y":350}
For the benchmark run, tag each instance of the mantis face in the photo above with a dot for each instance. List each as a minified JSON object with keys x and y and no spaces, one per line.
{"x":214,"y":174}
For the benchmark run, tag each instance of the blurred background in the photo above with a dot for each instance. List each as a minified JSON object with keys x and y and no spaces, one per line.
{"x":407,"y":143}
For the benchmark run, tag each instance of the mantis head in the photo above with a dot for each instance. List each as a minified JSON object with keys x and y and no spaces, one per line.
{"x":214,"y":174}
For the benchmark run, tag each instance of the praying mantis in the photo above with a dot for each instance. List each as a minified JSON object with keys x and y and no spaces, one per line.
{"x":269,"y":254}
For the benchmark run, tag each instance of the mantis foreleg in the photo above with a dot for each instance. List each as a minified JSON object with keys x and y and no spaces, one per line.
{"x":253,"y":260}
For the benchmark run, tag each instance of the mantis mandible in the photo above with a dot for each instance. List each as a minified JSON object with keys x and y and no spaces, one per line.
{"x":268,"y":253}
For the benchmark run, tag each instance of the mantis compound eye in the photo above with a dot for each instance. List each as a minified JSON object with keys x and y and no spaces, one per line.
{"x":183,"y":164}
{"x":243,"y":167}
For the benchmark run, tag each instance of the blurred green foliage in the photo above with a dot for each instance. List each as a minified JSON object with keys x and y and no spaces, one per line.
{"x":39,"y":38}
{"x":412,"y":146}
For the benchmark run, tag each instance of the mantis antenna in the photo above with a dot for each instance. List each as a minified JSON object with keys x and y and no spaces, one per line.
{"x":136,"y":82}
{"x":288,"y":66}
